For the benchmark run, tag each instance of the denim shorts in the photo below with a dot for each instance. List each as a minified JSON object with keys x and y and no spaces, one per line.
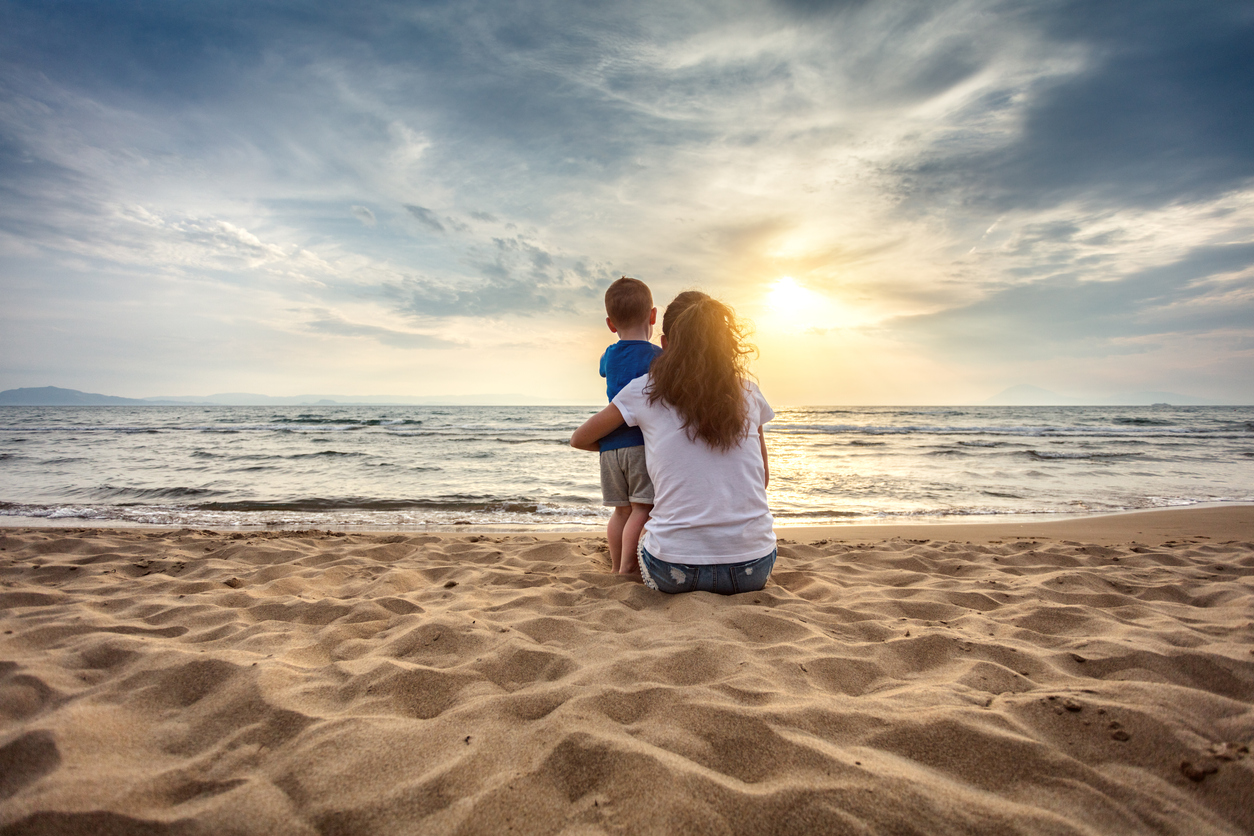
{"x":722,"y":578}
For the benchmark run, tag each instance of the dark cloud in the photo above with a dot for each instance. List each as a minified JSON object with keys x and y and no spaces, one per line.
{"x":1164,"y":111}
{"x":498,"y":77}
{"x":154,"y":51}
{"x":515,"y":253}
{"x":29,"y":180}
{"x":1067,"y":315}
{"x":809,"y":9}
{"x":425,"y":217}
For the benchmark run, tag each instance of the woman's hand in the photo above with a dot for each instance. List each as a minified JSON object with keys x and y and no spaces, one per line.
{"x":596,"y":428}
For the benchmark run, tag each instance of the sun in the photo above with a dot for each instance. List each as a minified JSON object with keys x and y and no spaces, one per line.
{"x":786,"y":296}
{"x":792,"y":308}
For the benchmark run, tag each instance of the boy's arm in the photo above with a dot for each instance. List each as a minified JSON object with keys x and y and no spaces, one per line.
{"x":592,"y":430}
{"x":766,"y":464}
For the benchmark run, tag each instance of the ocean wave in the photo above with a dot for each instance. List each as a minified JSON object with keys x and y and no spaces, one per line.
{"x":462,"y":438}
{"x":566,"y":511}
{"x":356,"y":503}
{"x":151,"y":494}
{"x":72,"y":428}
{"x":264,"y":457}
{"x":1132,"y":430}
{"x":322,"y":454}
{"x":1143,"y":422}
{"x":145,"y":495}
{"x":319,"y":420}
{"x":1050,"y":455}
{"x":349,"y":517}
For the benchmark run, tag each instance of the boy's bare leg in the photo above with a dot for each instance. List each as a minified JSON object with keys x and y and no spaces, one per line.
{"x":631,"y":538}
{"x":614,"y":534}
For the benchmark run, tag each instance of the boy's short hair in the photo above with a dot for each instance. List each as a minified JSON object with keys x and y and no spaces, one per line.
{"x":628,"y":302}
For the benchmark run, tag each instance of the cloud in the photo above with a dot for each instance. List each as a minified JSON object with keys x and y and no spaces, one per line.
{"x":1161,"y":109}
{"x":425,"y":217}
{"x":493,"y":298}
{"x":516,"y":277}
{"x":1209,"y":289}
{"x":1011,"y":175}
{"x":328,"y":323}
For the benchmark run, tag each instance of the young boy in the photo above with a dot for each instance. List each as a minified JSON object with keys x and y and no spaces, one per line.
{"x":625,"y":484}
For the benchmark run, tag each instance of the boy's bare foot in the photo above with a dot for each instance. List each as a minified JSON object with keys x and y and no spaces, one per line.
{"x":632,"y":570}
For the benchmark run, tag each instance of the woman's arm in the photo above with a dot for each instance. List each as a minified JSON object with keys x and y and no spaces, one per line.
{"x":766,"y":463}
{"x":595,"y":428}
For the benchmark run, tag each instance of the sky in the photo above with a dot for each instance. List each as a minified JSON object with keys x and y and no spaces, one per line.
{"x":911,"y":202}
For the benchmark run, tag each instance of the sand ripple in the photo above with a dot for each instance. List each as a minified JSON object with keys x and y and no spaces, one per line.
{"x":305,"y":682}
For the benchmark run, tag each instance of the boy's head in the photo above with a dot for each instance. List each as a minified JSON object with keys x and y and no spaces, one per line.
{"x":629,"y":304}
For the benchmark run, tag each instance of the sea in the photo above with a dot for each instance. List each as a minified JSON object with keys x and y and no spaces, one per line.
{"x":509,"y":467}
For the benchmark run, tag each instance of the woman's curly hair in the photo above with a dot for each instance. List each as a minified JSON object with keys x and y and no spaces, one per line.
{"x":702,"y":372}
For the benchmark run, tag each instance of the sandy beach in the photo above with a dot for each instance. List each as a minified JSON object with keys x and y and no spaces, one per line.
{"x":1089,"y":676}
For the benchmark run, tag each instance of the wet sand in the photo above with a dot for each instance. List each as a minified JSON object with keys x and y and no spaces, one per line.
{"x":1084,"y":676}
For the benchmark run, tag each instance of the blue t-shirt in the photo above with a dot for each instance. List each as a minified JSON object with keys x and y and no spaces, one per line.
{"x":623,"y":362}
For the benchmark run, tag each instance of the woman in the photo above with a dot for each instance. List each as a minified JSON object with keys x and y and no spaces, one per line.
{"x":701,"y":416}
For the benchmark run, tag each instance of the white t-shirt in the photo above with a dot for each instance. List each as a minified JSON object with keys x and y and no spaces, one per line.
{"x":709,"y":506}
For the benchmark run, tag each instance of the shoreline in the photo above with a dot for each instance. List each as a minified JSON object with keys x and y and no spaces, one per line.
{"x":1230,"y":521}
{"x":1150,"y":526}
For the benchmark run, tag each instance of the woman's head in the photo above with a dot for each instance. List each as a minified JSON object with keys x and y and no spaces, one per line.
{"x":702,"y":371}
{"x":677,"y":306}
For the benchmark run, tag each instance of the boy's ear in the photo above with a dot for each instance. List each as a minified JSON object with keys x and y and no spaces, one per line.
{"x":610,"y":323}
{"x":653,"y":317}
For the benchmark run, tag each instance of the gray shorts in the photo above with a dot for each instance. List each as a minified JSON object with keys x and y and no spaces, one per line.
{"x":624,"y":477}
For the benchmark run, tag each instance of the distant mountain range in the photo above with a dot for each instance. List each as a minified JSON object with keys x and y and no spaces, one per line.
{"x":1025,"y":395}
{"x":52,"y":396}
{"x":55,"y":396}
